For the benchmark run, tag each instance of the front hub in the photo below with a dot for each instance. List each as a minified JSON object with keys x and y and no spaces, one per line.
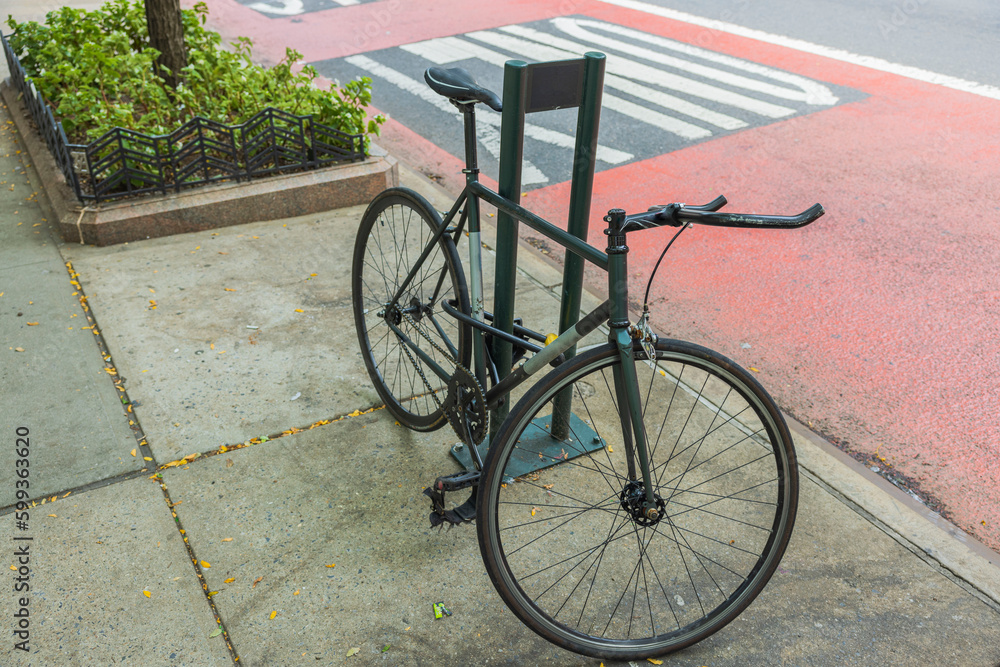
{"x":633,"y":501}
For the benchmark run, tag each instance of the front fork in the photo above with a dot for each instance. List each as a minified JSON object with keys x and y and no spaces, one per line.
{"x":625,"y":376}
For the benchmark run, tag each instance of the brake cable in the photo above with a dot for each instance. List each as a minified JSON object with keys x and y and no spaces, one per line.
{"x":645,"y":299}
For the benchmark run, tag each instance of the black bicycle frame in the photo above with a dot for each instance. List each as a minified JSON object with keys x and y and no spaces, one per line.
{"x":614,"y":310}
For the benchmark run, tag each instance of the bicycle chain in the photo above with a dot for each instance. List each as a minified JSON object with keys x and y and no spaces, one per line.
{"x":417,"y":366}
{"x":480,"y":422}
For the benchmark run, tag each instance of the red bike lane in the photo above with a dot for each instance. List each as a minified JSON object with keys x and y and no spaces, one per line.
{"x":877,"y":325}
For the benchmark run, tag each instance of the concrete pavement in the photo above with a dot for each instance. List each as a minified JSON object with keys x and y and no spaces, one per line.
{"x":296,"y":531}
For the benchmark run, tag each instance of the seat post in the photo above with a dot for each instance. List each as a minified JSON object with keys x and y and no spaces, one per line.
{"x":476,"y":293}
{"x":471,"y":143}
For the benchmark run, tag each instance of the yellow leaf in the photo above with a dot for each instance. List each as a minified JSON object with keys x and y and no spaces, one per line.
{"x":353,"y":651}
{"x":53,"y":516}
{"x":133,"y":452}
{"x":298,"y":310}
{"x":332,"y":565}
{"x":227,"y":539}
{"x":205,"y":564}
{"x":229,"y":580}
{"x":228,"y":289}
{"x":146,"y":458}
{"x":754,"y":369}
{"x":147,"y":594}
{"x":273,"y":614}
{"x":295,"y":593}
{"x":32,"y":324}
{"x":655,"y":661}
{"x":212,"y":593}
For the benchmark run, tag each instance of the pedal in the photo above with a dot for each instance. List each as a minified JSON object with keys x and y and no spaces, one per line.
{"x":465,"y":512}
{"x":459,"y":480}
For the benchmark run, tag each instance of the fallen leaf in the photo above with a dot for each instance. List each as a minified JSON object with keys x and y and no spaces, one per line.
{"x":228,"y":289}
{"x":133,"y":452}
{"x":295,"y":593}
{"x":256,"y":581}
{"x":147,"y":594}
{"x":227,"y":539}
{"x":273,"y":614}
{"x":353,"y":651}
{"x":332,"y":565}
{"x":19,"y":349}
{"x":205,"y":564}
{"x":215,"y":633}
{"x":229,"y":580}
{"x":212,"y":593}
{"x":655,"y":661}
{"x":32,"y":324}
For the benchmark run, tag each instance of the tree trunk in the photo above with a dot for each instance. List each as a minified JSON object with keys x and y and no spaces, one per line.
{"x":166,"y":35}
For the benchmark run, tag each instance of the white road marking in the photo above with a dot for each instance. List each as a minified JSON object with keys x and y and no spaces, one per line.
{"x":445,"y":50}
{"x":634,"y":70}
{"x":287,"y":7}
{"x":638,"y":90}
{"x":870,"y":62}
{"x":541,"y":52}
{"x":486,"y":132}
{"x":803,"y":89}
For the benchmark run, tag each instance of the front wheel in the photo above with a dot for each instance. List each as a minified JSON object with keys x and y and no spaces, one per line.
{"x":569,"y":547}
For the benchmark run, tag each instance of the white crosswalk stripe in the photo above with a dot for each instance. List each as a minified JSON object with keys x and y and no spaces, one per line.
{"x":667,"y":92}
{"x":486,"y":132}
{"x":445,"y":50}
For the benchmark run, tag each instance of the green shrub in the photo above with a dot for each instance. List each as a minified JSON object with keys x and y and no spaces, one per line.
{"x":98,"y":72}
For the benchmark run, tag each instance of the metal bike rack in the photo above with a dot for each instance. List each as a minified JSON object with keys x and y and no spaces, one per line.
{"x":531,"y":88}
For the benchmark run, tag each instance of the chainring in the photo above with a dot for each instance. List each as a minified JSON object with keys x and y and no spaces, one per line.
{"x":466,"y":403}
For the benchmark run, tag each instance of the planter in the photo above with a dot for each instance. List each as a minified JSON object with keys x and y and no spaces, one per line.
{"x":124,"y":163}
{"x":128,"y":186}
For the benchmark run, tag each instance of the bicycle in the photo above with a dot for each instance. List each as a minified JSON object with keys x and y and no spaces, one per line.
{"x":650,"y":517}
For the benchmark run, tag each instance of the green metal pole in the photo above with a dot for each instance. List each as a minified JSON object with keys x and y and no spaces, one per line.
{"x":509,"y":187}
{"x":581,"y":191}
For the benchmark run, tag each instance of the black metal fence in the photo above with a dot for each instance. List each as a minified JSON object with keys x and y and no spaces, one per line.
{"x":124,"y":162}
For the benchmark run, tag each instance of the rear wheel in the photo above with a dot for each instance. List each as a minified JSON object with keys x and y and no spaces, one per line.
{"x":394,"y":231}
{"x":571,"y":549}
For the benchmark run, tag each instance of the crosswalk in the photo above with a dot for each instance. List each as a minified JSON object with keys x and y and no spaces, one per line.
{"x":660,"y":94}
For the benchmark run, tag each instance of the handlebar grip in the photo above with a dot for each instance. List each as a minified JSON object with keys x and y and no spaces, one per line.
{"x":687,"y":214}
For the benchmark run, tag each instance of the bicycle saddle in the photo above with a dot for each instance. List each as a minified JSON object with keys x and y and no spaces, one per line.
{"x":457,"y":84}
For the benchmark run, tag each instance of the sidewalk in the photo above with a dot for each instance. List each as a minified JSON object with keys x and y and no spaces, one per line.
{"x":313,"y":540}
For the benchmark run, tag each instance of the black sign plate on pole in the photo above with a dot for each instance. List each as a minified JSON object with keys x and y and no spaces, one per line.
{"x":554,"y":85}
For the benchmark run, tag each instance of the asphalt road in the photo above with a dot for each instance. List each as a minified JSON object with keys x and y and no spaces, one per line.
{"x":877,"y":326}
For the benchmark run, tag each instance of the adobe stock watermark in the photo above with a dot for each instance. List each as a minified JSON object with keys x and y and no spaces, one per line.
{"x":899,"y":17}
{"x":380,"y":17}
{"x":22,"y":539}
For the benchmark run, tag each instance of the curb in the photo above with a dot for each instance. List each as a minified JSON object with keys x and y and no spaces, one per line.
{"x":203,"y":207}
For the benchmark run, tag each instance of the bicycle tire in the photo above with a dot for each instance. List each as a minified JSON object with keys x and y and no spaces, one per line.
{"x":394,"y":231}
{"x":555,"y":540}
